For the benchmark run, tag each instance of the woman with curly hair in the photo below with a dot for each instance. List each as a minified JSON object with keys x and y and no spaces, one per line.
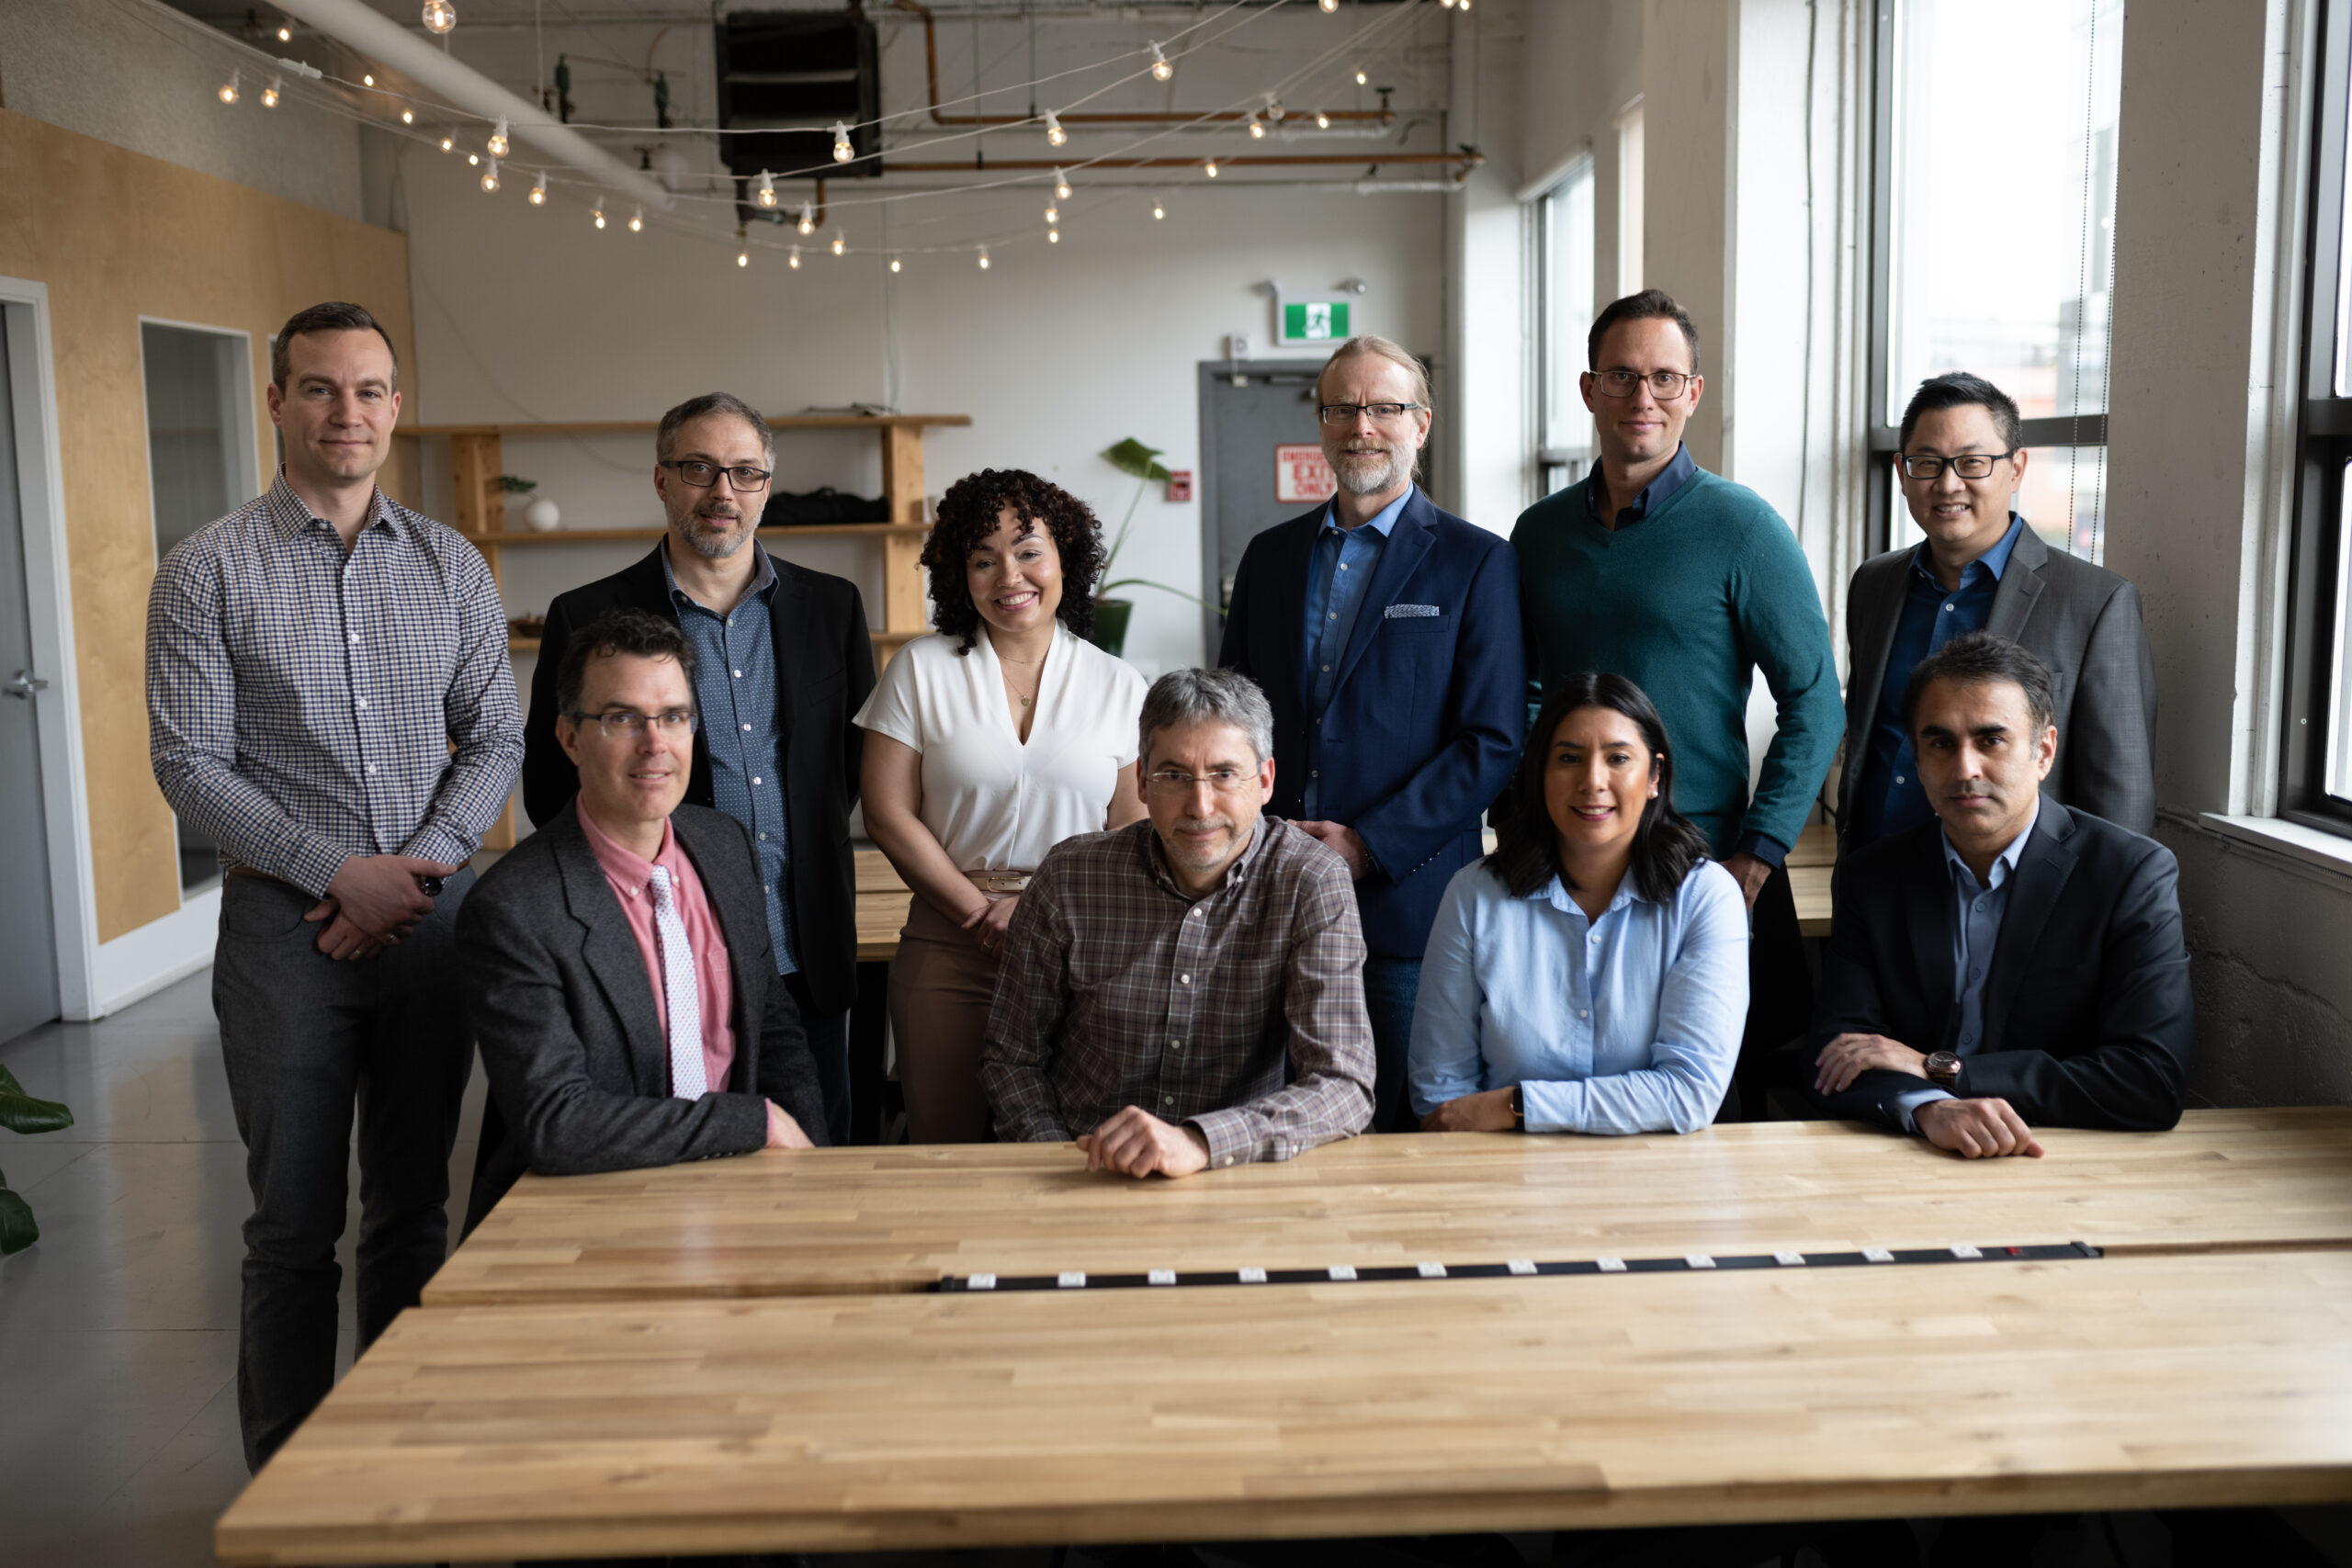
{"x":986,"y":745}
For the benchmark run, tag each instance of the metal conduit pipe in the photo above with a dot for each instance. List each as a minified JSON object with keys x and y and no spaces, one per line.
{"x":1462,"y":162}
{"x":374,"y":34}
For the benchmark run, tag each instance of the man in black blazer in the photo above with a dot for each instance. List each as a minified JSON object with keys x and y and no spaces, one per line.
{"x":1981,"y":569}
{"x":601,"y":1026}
{"x":785,"y":659}
{"x":2014,"y":962}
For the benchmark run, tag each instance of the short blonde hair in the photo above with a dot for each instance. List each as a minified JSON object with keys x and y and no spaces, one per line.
{"x":1387,"y":349}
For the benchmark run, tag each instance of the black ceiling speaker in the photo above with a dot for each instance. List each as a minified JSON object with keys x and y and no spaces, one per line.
{"x":788,"y":78}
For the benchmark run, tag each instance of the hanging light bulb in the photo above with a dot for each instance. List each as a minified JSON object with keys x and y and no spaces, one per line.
{"x":498,"y":141}
{"x":1158,"y":210}
{"x":599,"y":212}
{"x":228,"y":89}
{"x":1211,"y":169}
{"x":637,"y":222}
{"x":808,"y":219}
{"x":793,"y":260}
{"x":1322,"y":120}
{"x":285,"y":33}
{"x":1160,"y":69}
{"x":1257,"y":129}
{"x":1360,"y":77}
{"x":408,"y":116}
{"x":538,"y":197}
{"x":1329,"y":6}
{"x":842,"y":151}
{"x":1061,"y":185}
{"x":984,"y":258}
{"x":1052,"y":236}
{"x":448,"y":145}
{"x":742,"y":258}
{"x":1445,"y":4}
{"x":1055,"y":134}
{"x":1274,"y":110}
{"x":894,"y":263}
{"x":840,"y":244}
{"x":767,"y":189}
{"x":368,"y":79}
{"x":474,"y":160}
{"x":439,"y":17}
{"x":1053,"y":215}
{"x":270,"y":94}
{"x":490,"y":178}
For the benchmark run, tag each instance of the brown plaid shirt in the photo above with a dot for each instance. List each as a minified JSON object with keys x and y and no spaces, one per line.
{"x":1116,"y":990}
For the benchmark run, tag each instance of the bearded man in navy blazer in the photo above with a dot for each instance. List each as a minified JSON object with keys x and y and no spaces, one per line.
{"x":1385,"y":633}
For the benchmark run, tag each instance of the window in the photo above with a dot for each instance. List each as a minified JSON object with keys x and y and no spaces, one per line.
{"x":1564,"y":248}
{"x":2316,"y":777}
{"x":1629,"y":202}
{"x":199,"y":464}
{"x":1995,"y":227}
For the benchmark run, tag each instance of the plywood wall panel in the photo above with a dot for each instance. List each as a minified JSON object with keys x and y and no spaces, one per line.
{"x":115,"y":236}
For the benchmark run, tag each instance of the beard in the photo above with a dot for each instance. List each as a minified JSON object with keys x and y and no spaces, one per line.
{"x":1359,"y":474}
{"x":707,"y":535}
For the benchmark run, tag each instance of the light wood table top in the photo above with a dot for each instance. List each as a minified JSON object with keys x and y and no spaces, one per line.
{"x":827,"y":1424}
{"x":901,"y":1218}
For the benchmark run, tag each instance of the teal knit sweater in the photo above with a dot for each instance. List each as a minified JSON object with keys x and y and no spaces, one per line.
{"x":1686,"y":603}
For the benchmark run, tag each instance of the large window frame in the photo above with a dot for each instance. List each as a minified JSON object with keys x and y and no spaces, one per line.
{"x":1884,"y":438}
{"x":1556,"y":466}
{"x":2315,"y":609}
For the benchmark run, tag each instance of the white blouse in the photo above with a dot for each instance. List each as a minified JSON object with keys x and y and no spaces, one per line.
{"x":994,"y":803}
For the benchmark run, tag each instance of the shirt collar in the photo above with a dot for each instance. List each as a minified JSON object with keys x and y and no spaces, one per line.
{"x":1156,"y":858}
{"x":1995,"y":561}
{"x":290,"y":513}
{"x":762,"y":578}
{"x":1382,"y":521}
{"x":1679,"y":471}
{"x":1556,"y":891}
{"x":2005,"y":865}
{"x":623,"y":864}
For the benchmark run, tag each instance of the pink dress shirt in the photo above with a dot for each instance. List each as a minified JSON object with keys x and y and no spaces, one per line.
{"x":631,"y":876}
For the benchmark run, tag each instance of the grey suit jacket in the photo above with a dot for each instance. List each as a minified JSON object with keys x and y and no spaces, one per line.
{"x":560,"y":1000}
{"x":2081,"y":620}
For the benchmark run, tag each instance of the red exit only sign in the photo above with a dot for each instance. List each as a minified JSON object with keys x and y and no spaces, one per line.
{"x":1301,"y":474}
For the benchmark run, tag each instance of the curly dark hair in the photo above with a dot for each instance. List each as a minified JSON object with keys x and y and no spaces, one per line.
{"x":967,"y":514}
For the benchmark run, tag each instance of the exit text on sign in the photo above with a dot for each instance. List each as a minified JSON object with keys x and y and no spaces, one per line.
{"x":1303,"y":474}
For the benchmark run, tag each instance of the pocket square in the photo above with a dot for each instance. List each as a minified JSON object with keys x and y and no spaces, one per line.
{"x":1408,"y":612}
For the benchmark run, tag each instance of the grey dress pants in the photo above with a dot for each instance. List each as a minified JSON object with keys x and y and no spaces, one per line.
{"x":307,"y":1041}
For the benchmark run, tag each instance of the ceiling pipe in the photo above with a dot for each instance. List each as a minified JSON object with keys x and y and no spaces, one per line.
{"x":372,"y":33}
{"x":1463,"y":162}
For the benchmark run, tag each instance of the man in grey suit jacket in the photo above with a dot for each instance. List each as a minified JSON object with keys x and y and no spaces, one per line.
{"x":1981,"y":569}
{"x":616,"y":965}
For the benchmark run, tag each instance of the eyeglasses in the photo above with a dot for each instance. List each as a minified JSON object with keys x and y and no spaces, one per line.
{"x":1665,"y":385}
{"x":621,"y":723}
{"x":1169,"y":781}
{"x":1968,"y":465}
{"x":701,"y":475}
{"x":1382,"y":414}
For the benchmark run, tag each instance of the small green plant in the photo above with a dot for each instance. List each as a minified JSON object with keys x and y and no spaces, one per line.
{"x":515,"y":484}
{"x":21,"y":1113}
{"x":1132,"y":457}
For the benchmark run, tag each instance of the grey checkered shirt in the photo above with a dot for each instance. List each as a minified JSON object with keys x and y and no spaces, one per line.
{"x":1241,"y":1013}
{"x":303,"y":707}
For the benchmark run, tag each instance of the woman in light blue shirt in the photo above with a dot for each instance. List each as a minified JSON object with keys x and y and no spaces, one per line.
{"x":1590,"y":976}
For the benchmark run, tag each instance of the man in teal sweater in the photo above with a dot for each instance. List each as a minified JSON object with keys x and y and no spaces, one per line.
{"x":1686,"y":584}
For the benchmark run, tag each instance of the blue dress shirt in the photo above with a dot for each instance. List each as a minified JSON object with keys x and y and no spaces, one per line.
{"x":1628,"y":1023}
{"x":1338,"y":572}
{"x":1889,"y":799}
{"x":735,"y":686}
{"x":1976,"y":927}
{"x":1679,"y":470}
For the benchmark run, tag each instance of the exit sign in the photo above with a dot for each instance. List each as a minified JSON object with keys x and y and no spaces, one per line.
{"x":1313,"y":320}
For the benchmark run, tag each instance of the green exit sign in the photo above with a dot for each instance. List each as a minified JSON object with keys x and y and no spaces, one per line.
{"x":1315,"y":320}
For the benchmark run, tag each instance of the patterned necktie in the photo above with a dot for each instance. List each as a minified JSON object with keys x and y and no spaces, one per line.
{"x":679,"y":992}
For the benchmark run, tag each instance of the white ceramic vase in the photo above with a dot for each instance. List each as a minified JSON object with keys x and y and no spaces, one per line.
{"x":541,"y":517}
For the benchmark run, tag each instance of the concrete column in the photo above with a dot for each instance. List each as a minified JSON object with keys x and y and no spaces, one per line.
{"x":1690,"y":188}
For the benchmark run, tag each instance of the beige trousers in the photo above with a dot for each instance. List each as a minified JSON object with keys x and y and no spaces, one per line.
{"x":940,"y":989}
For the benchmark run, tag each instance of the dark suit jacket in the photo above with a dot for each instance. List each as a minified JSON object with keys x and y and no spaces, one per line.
{"x":1424,"y":724}
{"x":2088,"y":1018}
{"x":824,"y":668}
{"x":2081,"y":620}
{"x":559,"y":997}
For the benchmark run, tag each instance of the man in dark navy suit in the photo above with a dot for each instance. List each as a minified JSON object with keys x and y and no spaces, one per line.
{"x":1385,"y":633}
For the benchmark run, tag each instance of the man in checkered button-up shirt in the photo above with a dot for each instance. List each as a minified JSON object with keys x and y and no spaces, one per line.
{"x":1187,"y":991}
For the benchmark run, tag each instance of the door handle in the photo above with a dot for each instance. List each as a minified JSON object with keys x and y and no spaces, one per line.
{"x":24,"y":685}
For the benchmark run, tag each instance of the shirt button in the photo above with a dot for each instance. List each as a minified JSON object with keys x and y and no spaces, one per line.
{"x":1595,"y":936}
{"x":747,"y":729}
{"x":1584,"y":1012}
{"x":1898,"y":778}
{"x":1184,"y":979}
{"x":763,"y":838}
{"x":1196,"y":914}
{"x":739,"y":674}
{"x":363,"y":702}
{"x":355,"y":639}
{"x":1327,"y":668}
{"x":1333,"y":616}
{"x":1946,"y":609}
{"x":371,"y":770}
{"x":1167,"y":1100}
{"x":1176,"y":1044}
{"x":1314,"y":772}
{"x":1228,"y":1159}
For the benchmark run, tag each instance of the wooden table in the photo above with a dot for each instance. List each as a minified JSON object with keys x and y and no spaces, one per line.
{"x":956,"y":1420}
{"x":901,"y":1218}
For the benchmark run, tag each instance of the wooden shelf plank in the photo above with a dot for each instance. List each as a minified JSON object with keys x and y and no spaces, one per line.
{"x":647,"y":426}
{"x":646,"y":535}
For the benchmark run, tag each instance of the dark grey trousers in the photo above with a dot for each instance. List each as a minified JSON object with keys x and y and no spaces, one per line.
{"x":308,"y":1039}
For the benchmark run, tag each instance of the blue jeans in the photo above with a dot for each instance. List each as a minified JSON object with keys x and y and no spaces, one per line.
{"x":1390,"y":988}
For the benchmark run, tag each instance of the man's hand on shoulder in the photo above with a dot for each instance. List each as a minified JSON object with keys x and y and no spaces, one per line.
{"x":784,"y":1132}
{"x":1849,"y":1056}
{"x":1137,"y":1143}
{"x":1976,"y":1129}
{"x":1343,"y":838}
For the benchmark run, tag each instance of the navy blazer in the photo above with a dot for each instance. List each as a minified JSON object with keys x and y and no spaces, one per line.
{"x":2087,"y":1018}
{"x":1425,"y":720}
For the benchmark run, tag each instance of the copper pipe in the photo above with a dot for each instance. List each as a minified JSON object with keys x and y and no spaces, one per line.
{"x":1382,"y":115}
{"x":1466,"y":160}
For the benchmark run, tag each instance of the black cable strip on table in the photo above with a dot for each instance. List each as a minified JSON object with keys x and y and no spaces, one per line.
{"x":1688,"y":1263}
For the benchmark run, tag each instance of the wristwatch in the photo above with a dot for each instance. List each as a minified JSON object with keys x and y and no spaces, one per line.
{"x":1518,"y":1111}
{"x":1943,"y":1070}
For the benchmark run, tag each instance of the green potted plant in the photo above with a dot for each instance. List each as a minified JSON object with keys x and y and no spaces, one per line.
{"x":21,"y":1113}
{"x":1129,"y":457}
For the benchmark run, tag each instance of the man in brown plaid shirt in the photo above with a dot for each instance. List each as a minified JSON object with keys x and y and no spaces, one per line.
{"x":1187,"y":991}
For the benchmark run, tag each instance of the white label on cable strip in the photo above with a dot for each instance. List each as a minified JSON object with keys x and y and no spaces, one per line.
{"x":1699,"y":1260}
{"x":1071,"y":1279}
{"x":1342,"y":1272}
{"x":1253,"y":1276}
{"x":1877,"y":1255}
{"x":1963,"y":1250}
{"x":1789,"y":1259}
{"x":1162,"y":1276}
{"x":1432,"y":1270}
{"x":1521,"y":1265}
{"x":981,"y":1282}
{"x":1612,"y":1266}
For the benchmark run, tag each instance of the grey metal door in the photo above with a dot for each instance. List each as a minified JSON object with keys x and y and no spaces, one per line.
{"x":1248,"y":410}
{"x":27,"y":939}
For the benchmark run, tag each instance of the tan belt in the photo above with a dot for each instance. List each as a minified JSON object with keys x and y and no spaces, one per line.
{"x":999,"y":880}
